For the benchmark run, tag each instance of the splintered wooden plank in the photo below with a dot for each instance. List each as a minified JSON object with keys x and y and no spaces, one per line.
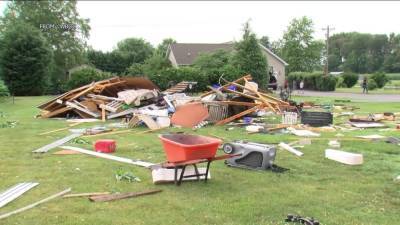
{"x":70,"y":104}
{"x":150,"y":123}
{"x":227,"y":120}
{"x":85,"y":194}
{"x":56,"y":112}
{"x":113,"y":197}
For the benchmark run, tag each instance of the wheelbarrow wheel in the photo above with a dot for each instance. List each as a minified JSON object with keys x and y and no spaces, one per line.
{"x":228,"y":148}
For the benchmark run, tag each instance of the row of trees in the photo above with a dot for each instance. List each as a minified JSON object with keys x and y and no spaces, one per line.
{"x":41,"y":40}
{"x":364,"y":53}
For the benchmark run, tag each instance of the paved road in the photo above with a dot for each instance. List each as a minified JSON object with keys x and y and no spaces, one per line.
{"x":353,"y":96}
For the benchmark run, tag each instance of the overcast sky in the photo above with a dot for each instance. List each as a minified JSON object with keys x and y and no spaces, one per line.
{"x":215,"y":22}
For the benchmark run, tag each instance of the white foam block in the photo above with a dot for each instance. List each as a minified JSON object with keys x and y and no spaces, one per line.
{"x":348,"y":158}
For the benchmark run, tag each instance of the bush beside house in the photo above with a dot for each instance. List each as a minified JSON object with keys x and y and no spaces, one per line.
{"x":313,"y":80}
{"x":349,"y":79}
{"x":380,"y":79}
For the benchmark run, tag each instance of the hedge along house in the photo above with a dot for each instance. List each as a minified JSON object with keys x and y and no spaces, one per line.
{"x":184,"y":54}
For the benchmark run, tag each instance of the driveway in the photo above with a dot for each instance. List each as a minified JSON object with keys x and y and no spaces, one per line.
{"x":352,"y":96}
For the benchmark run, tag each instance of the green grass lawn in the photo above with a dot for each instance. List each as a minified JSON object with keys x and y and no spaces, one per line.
{"x":314,"y":186}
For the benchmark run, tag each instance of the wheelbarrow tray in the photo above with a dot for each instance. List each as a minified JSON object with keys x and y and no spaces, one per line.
{"x":184,"y":147}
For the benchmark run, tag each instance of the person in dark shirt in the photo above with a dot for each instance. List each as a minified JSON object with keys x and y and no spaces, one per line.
{"x":365,"y":85}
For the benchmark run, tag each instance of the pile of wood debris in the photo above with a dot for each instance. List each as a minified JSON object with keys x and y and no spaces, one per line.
{"x":140,"y":100}
{"x":105,"y":98}
{"x":241,"y":97}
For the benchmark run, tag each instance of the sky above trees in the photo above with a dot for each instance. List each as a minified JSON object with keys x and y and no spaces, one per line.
{"x":222,"y":21}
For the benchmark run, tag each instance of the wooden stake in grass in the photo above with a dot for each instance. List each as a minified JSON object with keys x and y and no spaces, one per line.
{"x":113,"y":197}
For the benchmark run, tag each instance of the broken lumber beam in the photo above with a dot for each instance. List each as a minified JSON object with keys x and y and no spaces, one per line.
{"x":90,"y":88}
{"x":113,"y":197}
{"x":273,"y":99}
{"x":242,"y":94}
{"x":85,"y":194}
{"x":70,"y":104}
{"x":56,"y":112}
{"x":229,"y":119}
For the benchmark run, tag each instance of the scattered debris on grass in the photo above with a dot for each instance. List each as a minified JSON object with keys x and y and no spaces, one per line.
{"x":121,"y":175}
{"x":301,"y":219}
{"x":15,"y":191}
{"x":35,"y":204}
{"x":8,"y":124}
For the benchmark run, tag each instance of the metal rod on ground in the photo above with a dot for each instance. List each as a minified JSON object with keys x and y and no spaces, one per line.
{"x":35,"y":204}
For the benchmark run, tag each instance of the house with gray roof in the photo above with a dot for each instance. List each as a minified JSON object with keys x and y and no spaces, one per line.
{"x":184,"y":54}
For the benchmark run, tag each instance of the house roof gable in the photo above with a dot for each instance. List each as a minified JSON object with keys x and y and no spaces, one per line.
{"x":186,"y":53}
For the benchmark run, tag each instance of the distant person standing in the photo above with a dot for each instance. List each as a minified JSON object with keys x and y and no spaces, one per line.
{"x":365,"y":85}
{"x":302,"y":86}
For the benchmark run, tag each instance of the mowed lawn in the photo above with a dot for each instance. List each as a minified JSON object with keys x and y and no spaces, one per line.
{"x":313,"y":186}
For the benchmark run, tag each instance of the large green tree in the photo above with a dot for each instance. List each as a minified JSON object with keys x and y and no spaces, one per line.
{"x":134,"y":50}
{"x":299,"y":48}
{"x":249,"y":58}
{"x":163,"y":46}
{"x":24,"y":63}
{"x":61,"y":26}
{"x":360,"y":53}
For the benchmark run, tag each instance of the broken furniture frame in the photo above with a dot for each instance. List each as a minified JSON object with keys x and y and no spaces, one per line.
{"x":182,"y":165}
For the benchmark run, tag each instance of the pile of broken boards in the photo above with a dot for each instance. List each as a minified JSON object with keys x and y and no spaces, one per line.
{"x":115,"y":98}
{"x":240,"y":98}
{"x":138,"y":100}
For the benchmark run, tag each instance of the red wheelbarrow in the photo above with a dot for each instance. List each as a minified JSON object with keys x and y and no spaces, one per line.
{"x":183,"y":150}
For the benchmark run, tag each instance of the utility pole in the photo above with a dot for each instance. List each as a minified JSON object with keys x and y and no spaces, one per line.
{"x":327,"y":48}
